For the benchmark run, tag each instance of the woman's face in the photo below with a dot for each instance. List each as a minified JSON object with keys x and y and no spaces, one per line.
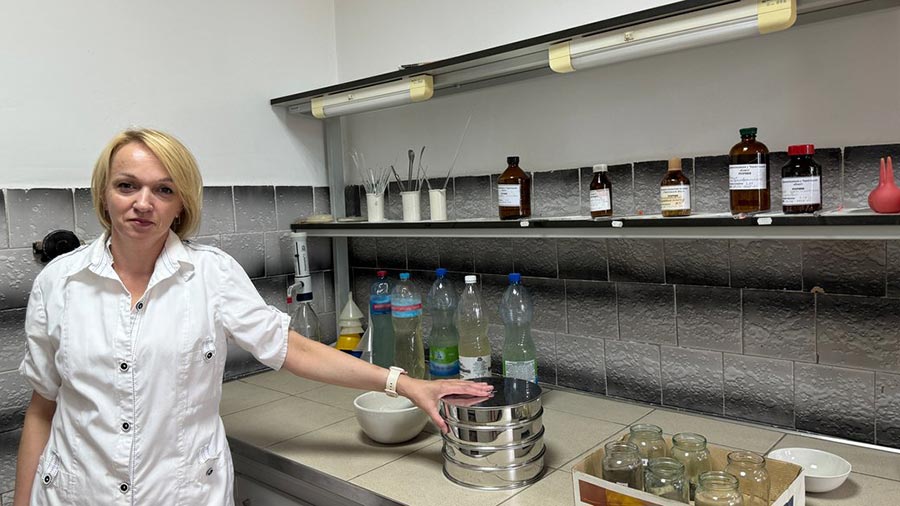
{"x":140,"y":195}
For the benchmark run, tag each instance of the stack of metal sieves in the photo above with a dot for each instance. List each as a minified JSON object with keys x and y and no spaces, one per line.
{"x":495,"y":443}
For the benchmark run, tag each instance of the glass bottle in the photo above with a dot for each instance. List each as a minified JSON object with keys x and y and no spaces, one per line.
{"x":718,"y":488}
{"x":675,"y":191}
{"x":690,"y":449}
{"x":649,"y":441}
{"x":514,"y":191}
{"x":753,"y":478}
{"x":664,"y":477}
{"x":601,"y":192}
{"x":801,"y":181}
{"x":748,"y":174}
{"x":304,"y":320}
{"x":622,"y":465}
{"x":406,"y":315}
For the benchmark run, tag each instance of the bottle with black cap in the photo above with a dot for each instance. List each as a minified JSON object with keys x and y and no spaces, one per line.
{"x":514,"y":191}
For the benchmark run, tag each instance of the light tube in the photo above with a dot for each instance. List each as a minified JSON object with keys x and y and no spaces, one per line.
{"x":382,"y":96}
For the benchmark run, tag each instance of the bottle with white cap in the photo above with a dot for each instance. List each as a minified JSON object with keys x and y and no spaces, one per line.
{"x":472,"y":326}
{"x":601,"y":192}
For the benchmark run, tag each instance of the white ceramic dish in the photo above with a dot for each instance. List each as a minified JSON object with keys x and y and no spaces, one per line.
{"x":824,"y":471}
{"x":388,"y":420}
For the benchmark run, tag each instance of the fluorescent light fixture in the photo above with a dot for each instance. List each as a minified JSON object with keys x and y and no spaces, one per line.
{"x":719,"y":24}
{"x":405,"y":91}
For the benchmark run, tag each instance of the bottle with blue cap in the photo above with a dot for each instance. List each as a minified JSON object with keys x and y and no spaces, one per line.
{"x":406,"y":315}
{"x":443,"y":344}
{"x":519,"y":356}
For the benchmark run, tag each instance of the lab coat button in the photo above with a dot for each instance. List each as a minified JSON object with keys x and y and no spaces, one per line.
{"x":124,"y":488}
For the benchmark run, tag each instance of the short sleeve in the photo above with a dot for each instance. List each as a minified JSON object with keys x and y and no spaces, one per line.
{"x":39,"y":365}
{"x":255,"y":326}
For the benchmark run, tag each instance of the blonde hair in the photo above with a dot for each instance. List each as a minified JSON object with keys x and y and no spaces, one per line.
{"x":179,"y":163}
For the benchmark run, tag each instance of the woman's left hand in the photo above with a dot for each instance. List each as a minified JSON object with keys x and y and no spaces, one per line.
{"x":425,"y":394}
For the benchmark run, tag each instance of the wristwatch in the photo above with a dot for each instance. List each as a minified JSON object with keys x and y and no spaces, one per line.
{"x":390,"y":386}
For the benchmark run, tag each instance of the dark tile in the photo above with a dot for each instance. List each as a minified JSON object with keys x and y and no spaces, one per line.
{"x":422,"y":253}
{"x":16,"y":277}
{"x":548,"y":297}
{"x":321,"y":200}
{"x":535,"y":257}
{"x":555,"y":193}
{"x":692,"y":379}
{"x":494,"y":256}
{"x":622,"y":179}
{"x":647,"y":177}
{"x":211,"y":240}
{"x":254,"y":209}
{"x":279,"y":253}
{"x":585,"y":175}
{"x":633,"y":371}
{"x":86,"y":224}
{"x":779,"y":324}
{"x":361,"y":251}
{"x":391,"y":252}
{"x":768,"y":264}
{"x":646,"y":313}
{"x":887,"y":410}
{"x":9,"y":448}
{"x":16,"y":394}
{"x":835,"y":402}
{"x":709,"y":188}
{"x":858,"y":331}
{"x":861,"y":166}
{"x":393,"y":203}
{"x":217,"y":216}
{"x":352,"y":200}
{"x":581,"y":363}
{"x":328,"y":288}
{"x":293,"y":202}
{"x":591,"y":309}
{"x":709,"y":317}
{"x":892,"y":266}
{"x":545,"y":348}
{"x":697,"y":261}
{"x":273,"y":290}
{"x":636,"y":260}
{"x":35,"y":213}
{"x":457,"y":254}
{"x":321,"y":255}
{"x":849,"y":267}
{"x":249,"y":250}
{"x":759,"y":389}
{"x":494,"y":204}
{"x":582,"y":258}
{"x":472,"y":198}
{"x":12,"y":338}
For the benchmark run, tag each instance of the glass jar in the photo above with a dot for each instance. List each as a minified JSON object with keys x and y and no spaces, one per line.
{"x":649,"y":441}
{"x":664,"y":477}
{"x":718,"y":488}
{"x":622,"y":465}
{"x":690,"y":449}
{"x":753,"y":479}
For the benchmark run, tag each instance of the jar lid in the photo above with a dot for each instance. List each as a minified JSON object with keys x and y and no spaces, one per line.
{"x":512,"y":160}
{"x":801,"y":149}
{"x":748,"y":131}
{"x":600,"y":167}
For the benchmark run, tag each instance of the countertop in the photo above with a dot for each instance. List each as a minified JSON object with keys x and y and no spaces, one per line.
{"x":313,"y":424}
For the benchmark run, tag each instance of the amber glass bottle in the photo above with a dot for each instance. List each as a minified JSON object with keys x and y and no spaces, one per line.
{"x":675,"y":191}
{"x":801,"y":181}
{"x":749,"y":174}
{"x":601,"y":193}
{"x":514,"y":191}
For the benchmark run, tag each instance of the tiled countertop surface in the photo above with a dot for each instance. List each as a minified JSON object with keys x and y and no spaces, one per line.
{"x":314,"y":424}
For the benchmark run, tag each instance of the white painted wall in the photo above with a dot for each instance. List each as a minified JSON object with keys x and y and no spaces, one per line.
{"x":72,"y":74}
{"x":832,"y":83}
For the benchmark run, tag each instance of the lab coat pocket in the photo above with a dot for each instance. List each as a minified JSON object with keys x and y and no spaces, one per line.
{"x":53,"y":481}
{"x":209,"y":464}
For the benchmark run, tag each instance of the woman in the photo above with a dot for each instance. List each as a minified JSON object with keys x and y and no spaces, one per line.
{"x":127,"y":339}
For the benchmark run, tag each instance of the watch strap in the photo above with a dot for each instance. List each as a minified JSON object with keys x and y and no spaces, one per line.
{"x":390,"y":385}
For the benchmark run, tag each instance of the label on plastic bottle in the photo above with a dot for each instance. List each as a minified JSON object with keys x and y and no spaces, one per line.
{"x":474,"y":367}
{"x":406,"y":309}
{"x":443,"y":362}
{"x":525,"y":370}
{"x":600,"y":200}
{"x":509,"y":195}
{"x":801,"y":191}
{"x":675,"y":198}
{"x":747,"y":176}
{"x":380,"y":304}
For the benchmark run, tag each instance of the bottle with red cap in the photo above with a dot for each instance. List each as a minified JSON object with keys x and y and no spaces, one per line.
{"x":801,"y":181}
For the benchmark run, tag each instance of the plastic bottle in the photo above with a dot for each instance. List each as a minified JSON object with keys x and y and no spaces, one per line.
{"x":444,"y":341}
{"x":304,"y":320}
{"x":472,"y":326}
{"x":519,"y":356}
{"x":350,"y":324}
{"x":381,"y":328}
{"x":406,"y":315}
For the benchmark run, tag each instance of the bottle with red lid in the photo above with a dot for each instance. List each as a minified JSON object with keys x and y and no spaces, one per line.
{"x":801,"y":181}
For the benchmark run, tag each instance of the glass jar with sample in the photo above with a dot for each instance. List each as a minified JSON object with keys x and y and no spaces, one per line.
{"x":718,"y":488}
{"x":649,"y":441}
{"x":690,"y":449}
{"x":753,"y":478}
{"x":664,"y":477}
{"x":622,"y":464}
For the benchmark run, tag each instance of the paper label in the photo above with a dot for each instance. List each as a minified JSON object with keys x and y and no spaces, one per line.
{"x":474,"y":367}
{"x":509,"y":195}
{"x":747,"y":176}
{"x":675,"y":198}
{"x":443,"y":362}
{"x":600,"y":200}
{"x":525,"y":370}
{"x":380,"y":304}
{"x":801,"y":191}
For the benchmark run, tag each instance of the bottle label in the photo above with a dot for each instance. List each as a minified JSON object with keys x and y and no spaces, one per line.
{"x":525,"y":370}
{"x":675,"y":198}
{"x":380,"y":304}
{"x":475,"y":367}
{"x":443,"y":362}
{"x":747,"y":176}
{"x":801,"y":191}
{"x":600,"y":200}
{"x":409,"y":310}
{"x":509,"y":195}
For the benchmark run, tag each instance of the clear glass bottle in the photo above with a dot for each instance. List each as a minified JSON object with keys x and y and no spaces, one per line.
{"x":675,"y":191}
{"x":801,"y":181}
{"x":600,"y":193}
{"x":304,"y":321}
{"x":622,"y":465}
{"x":514,"y":191}
{"x":718,"y":488}
{"x":753,"y":478}
{"x":649,"y":441}
{"x":664,"y":477}
{"x":690,"y":449}
{"x":406,"y":315}
{"x":748,"y":174}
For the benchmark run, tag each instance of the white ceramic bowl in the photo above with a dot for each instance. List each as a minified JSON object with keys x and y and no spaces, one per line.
{"x":824,"y":471}
{"x":388,"y":420}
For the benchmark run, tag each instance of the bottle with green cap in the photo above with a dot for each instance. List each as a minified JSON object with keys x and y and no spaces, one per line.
{"x":748,"y":174}
{"x":406,"y":315}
